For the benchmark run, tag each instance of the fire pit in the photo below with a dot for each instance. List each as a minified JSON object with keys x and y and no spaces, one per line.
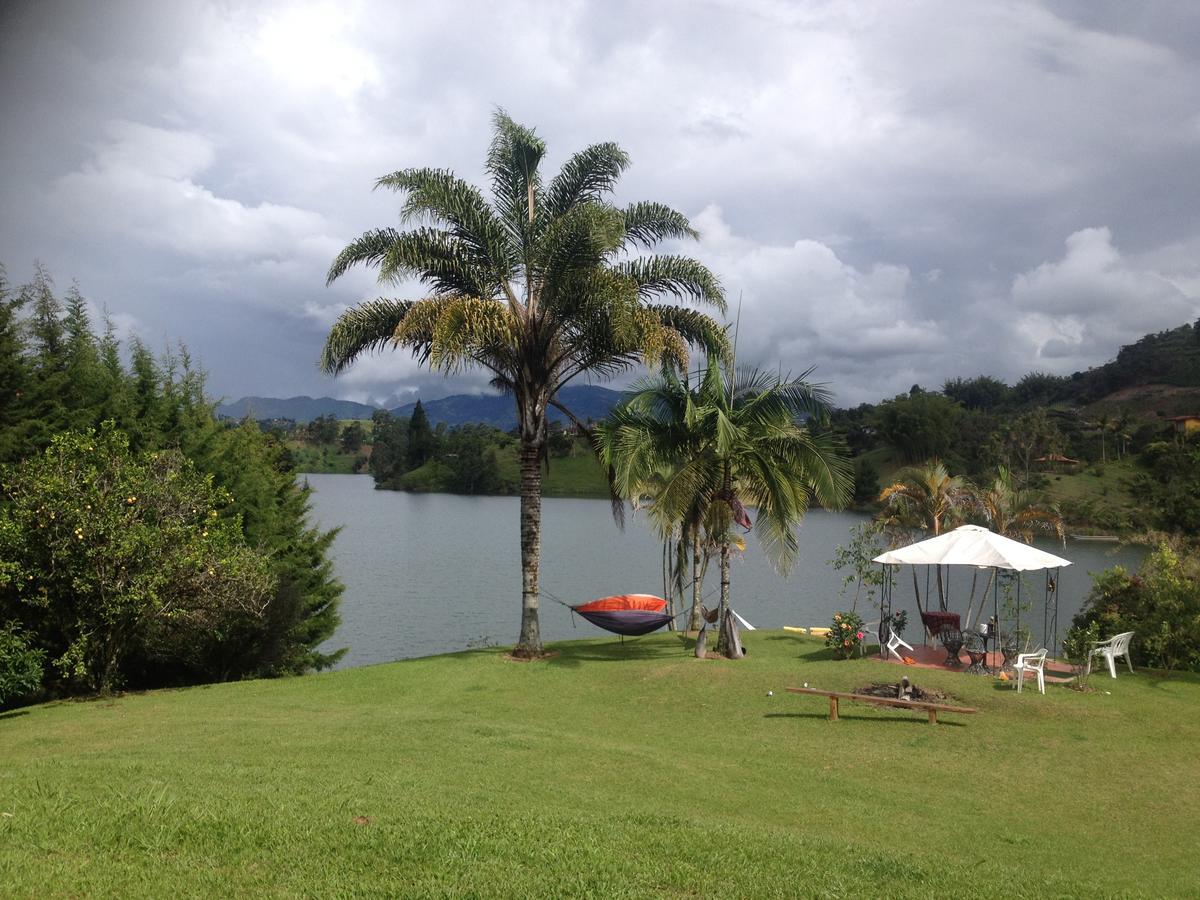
{"x":892,"y":690}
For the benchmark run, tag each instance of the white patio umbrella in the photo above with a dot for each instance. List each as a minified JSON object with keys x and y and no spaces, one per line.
{"x":973,"y":545}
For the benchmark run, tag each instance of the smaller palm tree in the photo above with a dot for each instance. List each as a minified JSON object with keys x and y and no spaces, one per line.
{"x":1015,"y":513}
{"x":729,"y":444}
{"x":930,"y":498}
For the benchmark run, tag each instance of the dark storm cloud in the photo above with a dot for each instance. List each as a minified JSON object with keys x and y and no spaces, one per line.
{"x":898,"y":193}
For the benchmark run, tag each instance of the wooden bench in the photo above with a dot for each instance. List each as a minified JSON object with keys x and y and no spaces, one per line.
{"x":834,"y":696}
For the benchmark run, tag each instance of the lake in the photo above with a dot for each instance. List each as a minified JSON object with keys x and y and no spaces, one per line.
{"x":434,"y":573}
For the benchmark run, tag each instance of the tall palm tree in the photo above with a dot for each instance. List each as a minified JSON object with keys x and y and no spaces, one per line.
{"x":537,"y":287}
{"x":930,"y":498}
{"x":726,"y":445}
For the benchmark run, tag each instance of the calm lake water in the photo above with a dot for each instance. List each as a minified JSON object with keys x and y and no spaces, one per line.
{"x":433,"y":573}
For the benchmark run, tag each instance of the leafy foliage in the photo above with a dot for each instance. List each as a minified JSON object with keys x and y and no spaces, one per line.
{"x":707,"y":454}
{"x":20,"y":663}
{"x":919,"y":425}
{"x":159,"y":404}
{"x":1161,"y":604}
{"x":107,"y":552}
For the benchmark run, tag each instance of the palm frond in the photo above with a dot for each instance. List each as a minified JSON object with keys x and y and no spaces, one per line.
{"x":647,"y":223}
{"x":674,"y":276}
{"x":585,"y":177}
{"x":570,"y":258}
{"x":441,"y":198}
{"x":452,"y":332}
{"x":512,"y":162}
{"x":367,"y":326}
{"x":370,"y":249}
{"x":695,"y":327}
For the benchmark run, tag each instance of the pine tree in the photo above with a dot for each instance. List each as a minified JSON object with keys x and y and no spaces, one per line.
{"x":14,"y":377}
{"x":47,"y":394}
{"x":420,"y":438}
{"x":85,"y":381}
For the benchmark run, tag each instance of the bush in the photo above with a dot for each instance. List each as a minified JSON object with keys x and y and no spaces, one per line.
{"x":846,"y":634}
{"x":20,"y":664}
{"x":1077,"y":646}
{"x":1161,"y":604}
{"x":108,"y":554}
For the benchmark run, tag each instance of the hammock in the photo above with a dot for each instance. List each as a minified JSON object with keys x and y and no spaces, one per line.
{"x":626,"y":614}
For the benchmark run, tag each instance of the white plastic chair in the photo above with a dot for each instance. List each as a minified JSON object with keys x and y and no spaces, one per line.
{"x":1115,"y":646}
{"x":870,"y":632}
{"x":896,"y":641}
{"x":1031,"y":662}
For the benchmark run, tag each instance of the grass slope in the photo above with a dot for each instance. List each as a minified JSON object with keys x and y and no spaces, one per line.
{"x":608,"y":771}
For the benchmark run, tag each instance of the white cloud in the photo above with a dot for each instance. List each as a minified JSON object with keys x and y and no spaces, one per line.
{"x":144,"y":182}
{"x":1077,"y":311}
{"x":803,"y":306}
{"x":888,"y":185}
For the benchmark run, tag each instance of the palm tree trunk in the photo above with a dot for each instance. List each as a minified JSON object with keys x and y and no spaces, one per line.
{"x":722,"y":646}
{"x":530,"y":642}
{"x":722,"y":642}
{"x":694,"y":619}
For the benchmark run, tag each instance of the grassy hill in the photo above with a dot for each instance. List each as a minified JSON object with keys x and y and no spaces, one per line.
{"x":610,"y":770}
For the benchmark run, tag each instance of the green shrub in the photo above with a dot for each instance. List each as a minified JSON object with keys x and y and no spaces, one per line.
{"x":1161,"y":604}
{"x":108,"y":554}
{"x":20,"y":664}
{"x":1077,"y":646}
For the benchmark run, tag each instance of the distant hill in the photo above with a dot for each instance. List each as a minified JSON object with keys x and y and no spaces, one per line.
{"x":587,"y":401}
{"x":300,"y":409}
{"x":1170,"y":358}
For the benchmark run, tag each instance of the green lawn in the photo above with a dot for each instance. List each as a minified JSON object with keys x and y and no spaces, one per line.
{"x":608,"y":771}
{"x":327,"y":460}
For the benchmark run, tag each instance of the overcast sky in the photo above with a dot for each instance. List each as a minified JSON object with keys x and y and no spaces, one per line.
{"x":899,"y":192}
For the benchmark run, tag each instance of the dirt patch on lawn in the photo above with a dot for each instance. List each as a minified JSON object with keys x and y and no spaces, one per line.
{"x":891,"y":690}
{"x":530,"y":658}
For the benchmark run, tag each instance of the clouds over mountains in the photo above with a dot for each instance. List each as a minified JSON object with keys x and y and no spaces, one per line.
{"x":898,"y":192}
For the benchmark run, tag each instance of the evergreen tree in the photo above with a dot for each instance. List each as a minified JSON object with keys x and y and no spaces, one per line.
{"x":48,"y":411}
{"x":14,"y":377}
{"x":55,"y":375}
{"x":421,"y":441}
{"x":144,"y":397}
{"x":389,"y":447}
{"x":115,"y":403}
{"x":353,"y":436}
{"x":85,"y":381}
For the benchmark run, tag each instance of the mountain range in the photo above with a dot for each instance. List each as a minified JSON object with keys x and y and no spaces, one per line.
{"x":587,"y":401}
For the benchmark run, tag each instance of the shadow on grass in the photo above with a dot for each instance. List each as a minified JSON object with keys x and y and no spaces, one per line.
{"x":901,"y":720}
{"x":14,"y":713}
{"x":616,"y":651}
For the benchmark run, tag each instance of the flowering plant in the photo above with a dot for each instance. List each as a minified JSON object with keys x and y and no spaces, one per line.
{"x":846,"y":635}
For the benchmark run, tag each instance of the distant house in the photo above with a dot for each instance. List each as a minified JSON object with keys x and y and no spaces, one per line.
{"x":1056,"y":462}
{"x":1186,"y":425}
